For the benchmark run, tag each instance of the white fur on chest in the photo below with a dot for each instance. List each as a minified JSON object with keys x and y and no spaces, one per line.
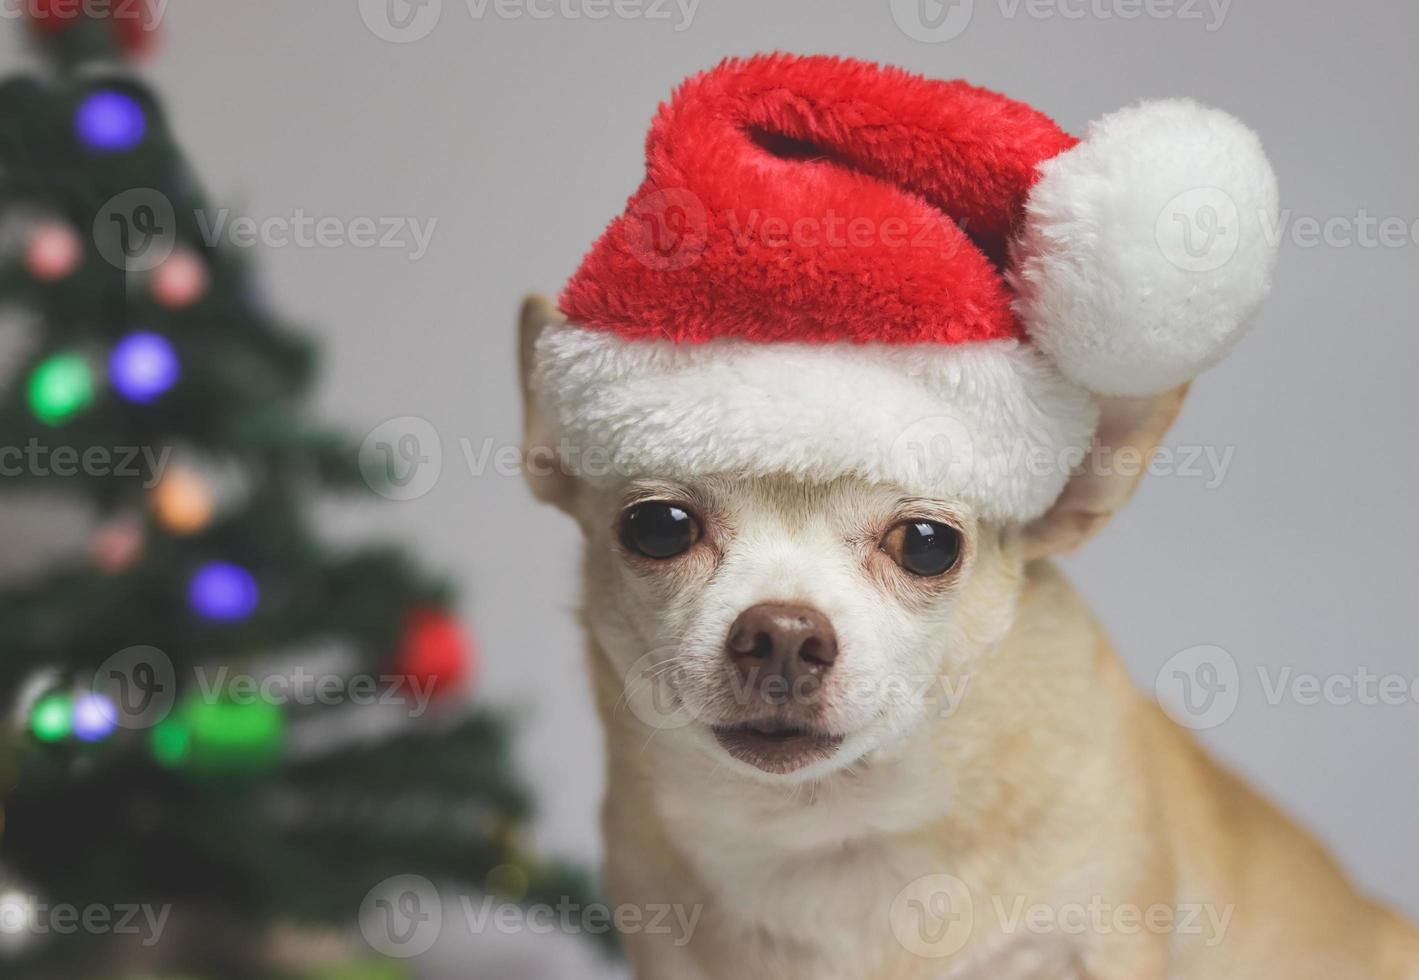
{"x":807,"y":879}
{"x":814,"y":868}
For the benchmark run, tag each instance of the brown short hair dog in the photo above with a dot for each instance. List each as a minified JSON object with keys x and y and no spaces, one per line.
{"x":857,"y":724}
{"x":1007,"y":805}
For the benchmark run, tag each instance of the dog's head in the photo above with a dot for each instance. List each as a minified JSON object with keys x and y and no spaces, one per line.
{"x":803,"y":617}
{"x":790,"y":628}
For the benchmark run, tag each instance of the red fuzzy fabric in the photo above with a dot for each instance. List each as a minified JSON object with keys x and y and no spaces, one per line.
{"x":819,"y":199}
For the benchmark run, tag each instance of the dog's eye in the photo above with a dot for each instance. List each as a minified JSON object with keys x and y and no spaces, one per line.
{"x":924,"y":548}
{"x":658,"y":529}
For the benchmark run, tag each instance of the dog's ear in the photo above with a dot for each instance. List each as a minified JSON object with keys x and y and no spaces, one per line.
{"x":1103,"y":484}
{"x":541,"y":465}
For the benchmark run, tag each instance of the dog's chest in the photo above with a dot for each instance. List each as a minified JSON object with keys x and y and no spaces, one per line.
{"x":863,"y":910}
{"x":830,"y":904}
{"x":842,"y":886}
{"x":818,"y":872}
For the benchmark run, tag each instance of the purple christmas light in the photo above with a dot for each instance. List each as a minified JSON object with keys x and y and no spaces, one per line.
{"x":95,"y":717}
{"x":222,"y":591}
{"x":142,"y":366}
{"x":109,"y":121}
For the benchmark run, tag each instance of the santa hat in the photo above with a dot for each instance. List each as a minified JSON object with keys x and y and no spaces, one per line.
{"x":837,"y":268}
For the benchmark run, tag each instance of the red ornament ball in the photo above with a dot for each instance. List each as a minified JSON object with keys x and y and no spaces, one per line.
{"x":52,"y":251}
{"x":134,"y":24}
{"x":434,"y":652}
{"x":180,"y":280}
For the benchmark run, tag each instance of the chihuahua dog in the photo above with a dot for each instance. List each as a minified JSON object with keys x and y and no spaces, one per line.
{"x":865,"y":734}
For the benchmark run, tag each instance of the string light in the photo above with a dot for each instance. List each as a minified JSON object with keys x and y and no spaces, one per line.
{"x":217,"y":735}
{"x":52,"y":251}
{"x":52,"y":717}
{"x":223,"y":591}
{"x":117,"y":545}
{"x":109,"y":121}
{"x":182,"y":501}
{"x":171,"y":741}
{"x":95,"y":717}
{"x":60,"y":386}
{"x":142,"y":366}
{"x":180,"y":281}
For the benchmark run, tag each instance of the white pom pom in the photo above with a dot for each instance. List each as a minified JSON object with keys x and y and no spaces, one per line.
{"x":1148,"y":247}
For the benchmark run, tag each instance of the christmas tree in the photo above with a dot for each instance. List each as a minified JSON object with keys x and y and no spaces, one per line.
{"x":212,"y":713}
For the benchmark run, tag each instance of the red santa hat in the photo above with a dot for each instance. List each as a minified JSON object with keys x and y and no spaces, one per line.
{"x":837,"y":268}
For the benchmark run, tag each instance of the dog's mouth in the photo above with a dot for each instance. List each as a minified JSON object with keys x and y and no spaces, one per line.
{"x":776,"y":747}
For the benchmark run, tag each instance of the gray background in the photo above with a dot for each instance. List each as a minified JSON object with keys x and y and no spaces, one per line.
{"x":522,"y":137}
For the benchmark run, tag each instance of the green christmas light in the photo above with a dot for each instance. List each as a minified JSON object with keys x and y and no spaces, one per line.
{"x":60,"y":386}
{"x":220,"y":736}
{"x":230,"y":737}
{"x":170,"y":741}
{"x":52,"y":717}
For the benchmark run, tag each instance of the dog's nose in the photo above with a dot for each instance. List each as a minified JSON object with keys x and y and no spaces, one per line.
{"x":782,"y":649}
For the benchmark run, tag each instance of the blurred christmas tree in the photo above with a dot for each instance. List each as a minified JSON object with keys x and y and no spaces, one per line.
{"x":171,"y":740}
